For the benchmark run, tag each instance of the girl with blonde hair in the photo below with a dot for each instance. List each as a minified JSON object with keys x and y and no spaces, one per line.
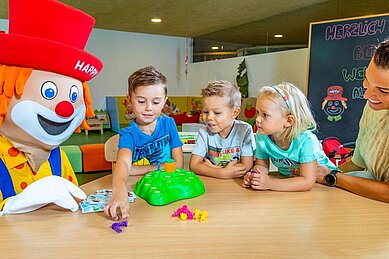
{"x":285,"y":124}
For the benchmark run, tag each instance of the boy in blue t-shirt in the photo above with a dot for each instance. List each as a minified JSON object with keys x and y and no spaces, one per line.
{"x":148,"y":141}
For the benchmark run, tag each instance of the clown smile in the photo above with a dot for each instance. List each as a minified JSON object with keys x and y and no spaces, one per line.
{"x":52,"y":127}
{"x":44,"y":124}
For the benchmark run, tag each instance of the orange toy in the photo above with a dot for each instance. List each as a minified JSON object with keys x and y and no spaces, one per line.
{"x":170,"y":166}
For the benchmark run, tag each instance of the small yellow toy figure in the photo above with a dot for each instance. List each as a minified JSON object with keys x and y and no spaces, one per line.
{"x":43,"y":99}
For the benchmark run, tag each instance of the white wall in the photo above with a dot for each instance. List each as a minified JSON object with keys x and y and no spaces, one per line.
{"x":122,"y":53}
{"x":263,"y":69}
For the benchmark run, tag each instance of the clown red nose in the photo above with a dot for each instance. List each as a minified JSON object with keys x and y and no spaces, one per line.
{"x":64,"y":109}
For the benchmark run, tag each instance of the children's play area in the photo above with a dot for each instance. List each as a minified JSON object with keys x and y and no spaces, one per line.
{"x":194,"y":129}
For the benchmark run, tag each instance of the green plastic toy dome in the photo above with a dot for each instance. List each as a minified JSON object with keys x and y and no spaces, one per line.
{"x":160,"y":187}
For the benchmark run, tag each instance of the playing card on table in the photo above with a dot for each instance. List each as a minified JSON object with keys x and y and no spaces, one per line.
{"x":97,"y":201}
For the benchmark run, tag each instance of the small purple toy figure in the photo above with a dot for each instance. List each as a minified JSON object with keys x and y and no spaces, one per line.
{"x":116,"y":226}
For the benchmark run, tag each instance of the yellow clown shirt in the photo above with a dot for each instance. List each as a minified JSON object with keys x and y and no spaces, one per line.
{"x":16,"y":174}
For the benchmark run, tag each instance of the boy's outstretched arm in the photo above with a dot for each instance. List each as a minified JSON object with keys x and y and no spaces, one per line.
{"x":118,"y":204}
{"x":178,"y":157}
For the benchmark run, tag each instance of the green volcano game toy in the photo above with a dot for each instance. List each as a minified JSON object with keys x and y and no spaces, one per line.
{"x":167,"y":185}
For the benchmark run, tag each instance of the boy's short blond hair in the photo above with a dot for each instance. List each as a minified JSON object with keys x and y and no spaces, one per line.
{"x":144,"y":77}
{"x":223,"y":88}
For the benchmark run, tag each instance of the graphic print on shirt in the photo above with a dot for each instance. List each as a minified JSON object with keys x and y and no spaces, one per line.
{"x":286,"y":166}
{"x":222,"y":157}
{"x":155,"y":151}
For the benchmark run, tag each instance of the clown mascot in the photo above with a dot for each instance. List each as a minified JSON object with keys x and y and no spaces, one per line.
{"x":44,"y":98}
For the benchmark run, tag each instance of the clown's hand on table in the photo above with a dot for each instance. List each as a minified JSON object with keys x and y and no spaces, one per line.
{"x":50,"y":189}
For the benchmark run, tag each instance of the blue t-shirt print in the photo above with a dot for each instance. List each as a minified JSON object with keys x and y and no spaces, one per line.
{"x":157,"y":150}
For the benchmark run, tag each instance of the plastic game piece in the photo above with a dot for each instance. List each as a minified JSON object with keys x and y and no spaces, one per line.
{"x":252,"y":171}
{"x":184,"y":213}
{"x":117,"y":225}
{"x":204,"y":215}
{"x":160,"y":187}
{"x":190,"y":215}
{"x":98,"y":200}
{"x":183,"y":216}
{"x":170,"y":166}
{"x":196,"y":215}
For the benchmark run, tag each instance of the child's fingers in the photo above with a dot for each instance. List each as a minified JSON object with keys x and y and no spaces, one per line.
{"x":106,"y":210}
{"x":245,"y":184}
{"x":113,"y":212}
{"x":124,"y":211}
{"x":232,"y":162}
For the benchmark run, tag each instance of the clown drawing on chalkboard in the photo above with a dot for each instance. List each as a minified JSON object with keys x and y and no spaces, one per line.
{"x":334,"y":103}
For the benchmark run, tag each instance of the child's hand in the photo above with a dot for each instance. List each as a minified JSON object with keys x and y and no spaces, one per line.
{"x":260,"y":169}
{"x":247,"y":179}
{"x":261,"y":181}
{"x":117,"y":206}
{"x":233,"y":170}
{"x":207,"y":162}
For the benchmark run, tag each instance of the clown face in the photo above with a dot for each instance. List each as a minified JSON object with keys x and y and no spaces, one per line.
{"x":50,"y":109}
{"x":334,"y":108}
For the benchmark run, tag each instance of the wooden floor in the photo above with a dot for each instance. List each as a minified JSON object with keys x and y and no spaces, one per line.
{"x":93,"y":137}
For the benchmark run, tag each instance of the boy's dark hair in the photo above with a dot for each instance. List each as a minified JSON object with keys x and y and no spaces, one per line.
{"x":146,"y":76}
{"x":381,"y":55}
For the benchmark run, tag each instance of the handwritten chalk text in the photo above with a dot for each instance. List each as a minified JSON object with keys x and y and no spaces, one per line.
{"x":356,"y":29}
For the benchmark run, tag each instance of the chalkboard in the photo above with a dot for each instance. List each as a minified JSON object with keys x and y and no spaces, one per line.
{"x":339,"y":52}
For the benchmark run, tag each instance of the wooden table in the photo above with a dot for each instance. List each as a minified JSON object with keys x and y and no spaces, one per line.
{"x":324,"y":222}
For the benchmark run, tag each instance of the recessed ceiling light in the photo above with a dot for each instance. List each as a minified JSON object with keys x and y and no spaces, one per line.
{"x":278,"y":36}
{"x":156,"y":20}
{"x":215,"y":47}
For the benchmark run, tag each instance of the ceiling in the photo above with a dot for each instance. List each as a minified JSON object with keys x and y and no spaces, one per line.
{"x":249,"y":22}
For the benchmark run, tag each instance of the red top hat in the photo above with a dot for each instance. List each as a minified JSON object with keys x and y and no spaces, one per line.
{"x":51,"y":36}
{"x":334,"y":93}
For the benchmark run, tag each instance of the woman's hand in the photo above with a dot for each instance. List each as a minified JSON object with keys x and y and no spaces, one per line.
{"x":322,"y":171}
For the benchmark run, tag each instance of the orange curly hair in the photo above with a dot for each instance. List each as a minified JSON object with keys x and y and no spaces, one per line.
{"x":12,"y":82}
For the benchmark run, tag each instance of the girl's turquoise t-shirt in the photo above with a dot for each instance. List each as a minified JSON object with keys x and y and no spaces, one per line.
{"x":303,"y":149}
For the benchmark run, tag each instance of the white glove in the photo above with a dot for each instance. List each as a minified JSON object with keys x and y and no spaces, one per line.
{"x":50,"y":189}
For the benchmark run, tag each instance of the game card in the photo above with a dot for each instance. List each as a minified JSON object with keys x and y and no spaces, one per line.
{"x":98,"y":200}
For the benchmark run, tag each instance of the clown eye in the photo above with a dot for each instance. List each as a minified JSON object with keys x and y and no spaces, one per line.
{"x":73,"y":95}
{"x":49,"y":90}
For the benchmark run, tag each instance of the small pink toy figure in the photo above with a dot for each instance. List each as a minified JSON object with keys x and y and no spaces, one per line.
{"x":184,"y":213}
{"x":43,"y":99}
